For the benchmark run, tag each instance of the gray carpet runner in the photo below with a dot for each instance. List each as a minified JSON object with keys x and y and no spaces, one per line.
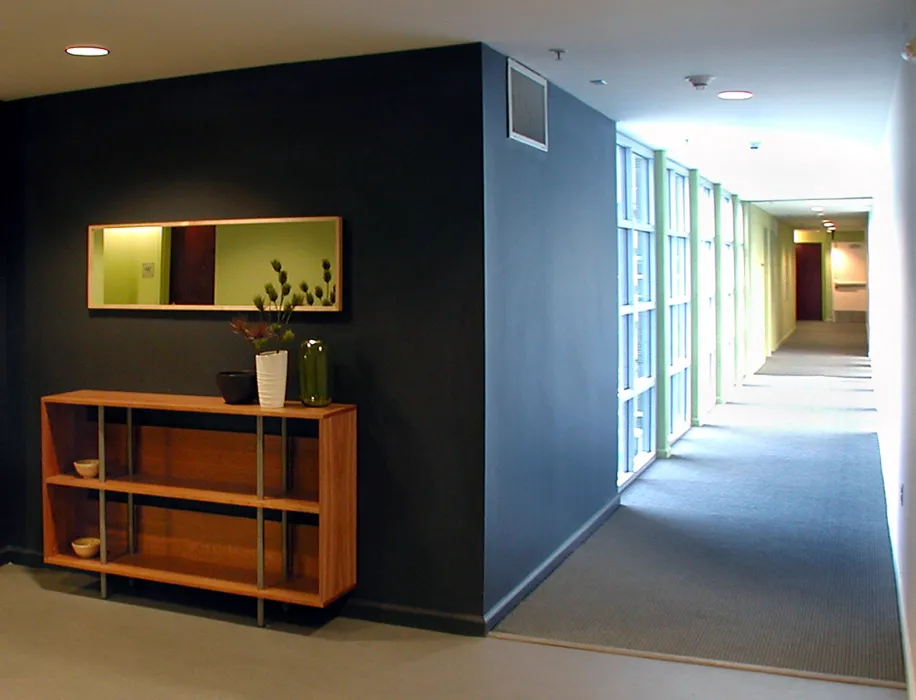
{"x":764,"y":541}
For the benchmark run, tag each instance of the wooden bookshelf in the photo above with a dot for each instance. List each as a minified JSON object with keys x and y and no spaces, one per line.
{"x":259,"y":510}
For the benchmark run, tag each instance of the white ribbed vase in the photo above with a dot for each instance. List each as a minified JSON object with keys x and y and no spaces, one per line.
{"x":271,"y":369}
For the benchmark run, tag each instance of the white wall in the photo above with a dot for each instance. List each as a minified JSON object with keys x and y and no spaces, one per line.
{"x":849,"y":264}
{"x":892,"y":328}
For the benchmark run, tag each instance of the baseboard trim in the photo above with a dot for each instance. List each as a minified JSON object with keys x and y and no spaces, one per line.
{"x":656,"y":656}
{"x":22,"y":557}
{"x":783,"y":339}
{"x":908,"y":662}
{"x":907,"y":648}
{"x":637,"y":474}
{"x":495,"y":614}
{"x":409,"y":616}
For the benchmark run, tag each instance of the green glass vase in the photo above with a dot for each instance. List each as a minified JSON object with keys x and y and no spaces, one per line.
{"x":314,"y":373}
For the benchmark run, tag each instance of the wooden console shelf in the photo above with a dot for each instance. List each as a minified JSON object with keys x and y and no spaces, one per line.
{"x":265,"y":507}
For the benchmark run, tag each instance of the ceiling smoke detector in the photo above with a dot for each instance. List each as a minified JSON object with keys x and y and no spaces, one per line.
{"x":700,"y":82}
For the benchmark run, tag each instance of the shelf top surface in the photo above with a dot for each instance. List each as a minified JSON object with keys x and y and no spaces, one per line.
{"x":191,"y":404}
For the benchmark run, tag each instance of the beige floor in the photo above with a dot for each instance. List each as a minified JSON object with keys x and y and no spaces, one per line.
{"x":58,"y":640}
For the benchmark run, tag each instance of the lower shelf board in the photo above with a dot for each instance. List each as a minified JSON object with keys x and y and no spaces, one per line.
{"x":300,"y":591}
{"x":194,"y":574}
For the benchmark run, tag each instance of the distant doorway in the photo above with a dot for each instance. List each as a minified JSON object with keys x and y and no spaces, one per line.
{"x":809,"y":282}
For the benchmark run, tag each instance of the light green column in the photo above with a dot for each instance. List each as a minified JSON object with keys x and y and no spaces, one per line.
{"x":740,"y":253}
{"x":719,"y":246}
{"x":694,"y":181}
{"x":748,"y":281}
{"x":768,"y":305}
{"x":827,"y":277}
{"x":663,"y":429}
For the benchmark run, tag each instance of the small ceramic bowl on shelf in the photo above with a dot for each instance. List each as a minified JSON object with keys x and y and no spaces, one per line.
{"x":87,"y":468}
{"x":86,"y":547}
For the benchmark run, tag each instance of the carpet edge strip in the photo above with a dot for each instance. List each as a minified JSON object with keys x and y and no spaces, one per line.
{"x":715,"y":663}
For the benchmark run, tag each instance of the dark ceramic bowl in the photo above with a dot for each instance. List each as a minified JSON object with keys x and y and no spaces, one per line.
{"x":238,"y":386}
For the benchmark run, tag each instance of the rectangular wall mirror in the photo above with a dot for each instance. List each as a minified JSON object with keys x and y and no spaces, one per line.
{"x":212,"y":265}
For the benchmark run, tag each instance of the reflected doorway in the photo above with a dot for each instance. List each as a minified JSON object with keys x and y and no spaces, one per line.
{"x":809,"y":282}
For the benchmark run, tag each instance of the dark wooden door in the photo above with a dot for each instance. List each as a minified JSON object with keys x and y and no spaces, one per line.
{"x":809,"y":282}
{"x":193,"y":268}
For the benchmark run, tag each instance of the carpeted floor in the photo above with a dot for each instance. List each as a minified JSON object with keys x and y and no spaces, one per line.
{"x":763,"y":542}
{"x":59,"y":641}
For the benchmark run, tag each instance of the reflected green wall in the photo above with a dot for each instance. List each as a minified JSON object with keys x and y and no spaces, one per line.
{"x":783,"y":266}
{"x":244,"y":252}
{"x":97,"y":278}
{"x":770,"y":285}
{"x":124,"y":253}
{"x":850,"y":236}
{"x":760,"y":227}
{"x":825,"y":240}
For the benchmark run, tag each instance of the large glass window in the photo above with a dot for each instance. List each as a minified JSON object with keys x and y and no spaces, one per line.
{"x":678,"y":302}
{"x":728,"y":293}
{"x":638,"y":307}
{"x":706,"y":361}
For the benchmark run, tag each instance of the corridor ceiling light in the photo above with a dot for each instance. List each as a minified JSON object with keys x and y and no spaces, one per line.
{"x":817,"y":208}
{"x":87,"y":50}
{"x":735,"y":95}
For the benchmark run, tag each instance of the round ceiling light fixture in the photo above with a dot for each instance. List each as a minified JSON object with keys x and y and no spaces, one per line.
{"x":909,"y":51}
{"x":735,"y":95}
{"x":817,"y":208}
{"x":87,"y":50}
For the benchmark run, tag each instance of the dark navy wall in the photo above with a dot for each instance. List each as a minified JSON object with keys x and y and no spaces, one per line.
{"x":7,"y":332}
{"x":551,"y":335}
{"x":391,"y":143}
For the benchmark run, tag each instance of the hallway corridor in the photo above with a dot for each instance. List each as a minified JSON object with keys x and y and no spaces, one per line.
{"x":762,"y":543}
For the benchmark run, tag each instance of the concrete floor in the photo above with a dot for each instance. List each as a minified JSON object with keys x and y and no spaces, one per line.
{"x":58,"y":640}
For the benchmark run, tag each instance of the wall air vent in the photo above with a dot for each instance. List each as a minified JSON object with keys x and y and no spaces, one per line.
{"x":527,"y":106}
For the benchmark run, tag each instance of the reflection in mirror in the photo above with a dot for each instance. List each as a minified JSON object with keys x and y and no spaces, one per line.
{"x":211,"y":265}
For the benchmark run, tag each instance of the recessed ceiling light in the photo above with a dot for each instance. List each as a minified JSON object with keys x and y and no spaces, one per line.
{"x":817,"y":208}
{"x":735,"y":95}
{"x":598,"y":81}
{"x":87,"y":50}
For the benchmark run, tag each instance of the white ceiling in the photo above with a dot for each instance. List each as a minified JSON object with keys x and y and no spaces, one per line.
{"x":847,"y":214}
{"x":823,"y":70}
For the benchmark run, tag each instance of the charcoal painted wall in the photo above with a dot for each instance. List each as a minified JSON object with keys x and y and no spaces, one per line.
{"x":551,"y":333}
{"x":7,"y":332}
{"x":391,"y":143}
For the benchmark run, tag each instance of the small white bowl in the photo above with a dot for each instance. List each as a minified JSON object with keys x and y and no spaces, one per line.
{"x":87,"y":468}
{"x":86,"y":547}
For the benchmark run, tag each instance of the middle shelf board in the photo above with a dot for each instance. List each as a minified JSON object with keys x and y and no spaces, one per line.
{"x":186,"y":489}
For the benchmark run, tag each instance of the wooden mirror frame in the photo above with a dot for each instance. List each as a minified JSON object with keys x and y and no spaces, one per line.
{"x":257,"y":287}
